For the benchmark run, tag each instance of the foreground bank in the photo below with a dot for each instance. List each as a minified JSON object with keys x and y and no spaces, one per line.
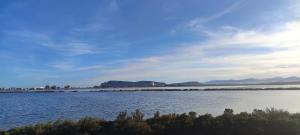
{"x":259,"y":122}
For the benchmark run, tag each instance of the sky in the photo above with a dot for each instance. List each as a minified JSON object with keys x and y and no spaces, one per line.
{"x":84,"y":43}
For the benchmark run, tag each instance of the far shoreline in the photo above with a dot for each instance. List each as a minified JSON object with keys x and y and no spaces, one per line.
{"x":153,"y":89}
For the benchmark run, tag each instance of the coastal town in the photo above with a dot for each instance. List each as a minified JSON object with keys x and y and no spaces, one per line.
{"x":47,"y":87}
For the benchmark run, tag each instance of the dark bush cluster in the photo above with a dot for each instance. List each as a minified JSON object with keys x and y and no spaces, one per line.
{"x":259,"y":122}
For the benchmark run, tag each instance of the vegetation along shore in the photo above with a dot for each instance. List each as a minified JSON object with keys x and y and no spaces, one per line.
{"x":259,"y":122}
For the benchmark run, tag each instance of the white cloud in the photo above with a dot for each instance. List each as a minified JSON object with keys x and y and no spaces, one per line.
{"x":283,"y":38}
{"x":79,"y":48}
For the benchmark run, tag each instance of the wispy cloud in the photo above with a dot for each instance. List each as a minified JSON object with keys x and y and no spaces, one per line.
{"x":63,"y":65}
{"x":100,"y":20}
{"x":28,"y":36}
{"x":198,"y":24}
{"x":200,"y":21}
{"x":91,"y":27}
{"x":68,"y":47}
{"x":296,"y":9}
{"x":70,"y":66}
{"x":80,"y":48}
{"x":113,"y":6}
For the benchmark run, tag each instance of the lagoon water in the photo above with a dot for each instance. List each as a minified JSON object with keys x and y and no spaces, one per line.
{"x":19,"y":109}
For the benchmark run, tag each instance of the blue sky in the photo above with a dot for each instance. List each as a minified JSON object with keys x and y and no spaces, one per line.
{"x":84,"y":43}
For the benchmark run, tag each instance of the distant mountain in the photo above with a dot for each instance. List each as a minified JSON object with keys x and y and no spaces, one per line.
{"x":275,"y":80}
{"x":186,"y":84}
{"x":124,"y":84}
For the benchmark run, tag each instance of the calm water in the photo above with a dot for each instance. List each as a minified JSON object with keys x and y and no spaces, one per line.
{"x":18,"y":109}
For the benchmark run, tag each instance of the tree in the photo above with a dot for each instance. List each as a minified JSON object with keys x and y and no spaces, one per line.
{"x":47,"y":87}
{"x":53,"y":87}
{"x":122,"y":116}
{"x":67,"y":87}
{"x":228,"y":112}
{"x":137,"y":115}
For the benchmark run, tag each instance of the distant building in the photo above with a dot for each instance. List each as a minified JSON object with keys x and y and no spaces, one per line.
{"x":40,"y":88}
{"x":47,"y":87}
{"x":53,"y":87}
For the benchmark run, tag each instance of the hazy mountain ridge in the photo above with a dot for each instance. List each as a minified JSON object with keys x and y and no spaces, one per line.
{"x":193,"y":83}
{"x":275,"y":80}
